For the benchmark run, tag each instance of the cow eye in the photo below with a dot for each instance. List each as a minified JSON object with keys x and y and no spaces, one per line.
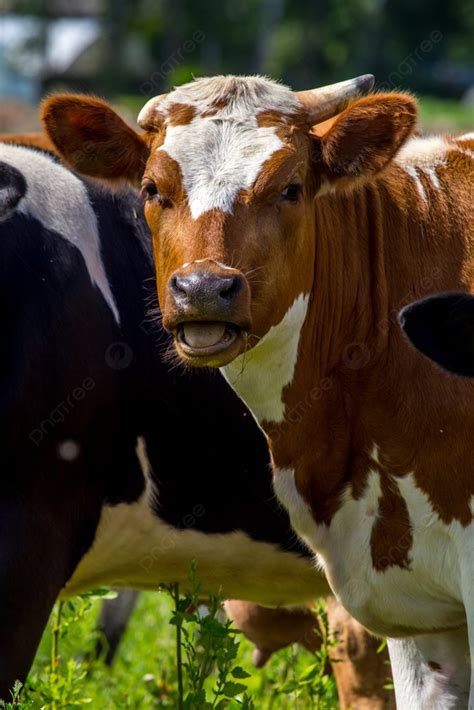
{"x":291,"y":192}
{"x":149,"y":190}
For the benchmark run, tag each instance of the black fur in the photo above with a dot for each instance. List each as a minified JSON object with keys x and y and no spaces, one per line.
{"x":442,"y":328}
{"x":72,"y":378}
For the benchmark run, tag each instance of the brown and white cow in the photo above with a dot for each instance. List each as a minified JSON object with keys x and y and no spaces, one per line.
{"x":283,"y":257}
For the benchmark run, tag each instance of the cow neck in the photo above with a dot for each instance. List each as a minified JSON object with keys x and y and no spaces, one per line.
{"x":355,"y":384}
{"x":342,"y":346}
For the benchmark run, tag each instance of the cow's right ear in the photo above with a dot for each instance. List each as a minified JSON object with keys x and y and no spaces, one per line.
{"x":93,"y":139}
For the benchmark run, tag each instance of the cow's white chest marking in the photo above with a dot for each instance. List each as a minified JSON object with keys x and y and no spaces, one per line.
{"x":260,"y":375}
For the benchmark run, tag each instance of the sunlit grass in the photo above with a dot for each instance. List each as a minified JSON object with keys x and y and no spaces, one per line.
{"x":144,"y":674}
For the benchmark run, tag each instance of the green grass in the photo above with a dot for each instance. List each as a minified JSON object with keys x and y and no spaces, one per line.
{"x":443,"y":115}
{"x":144,"y":674}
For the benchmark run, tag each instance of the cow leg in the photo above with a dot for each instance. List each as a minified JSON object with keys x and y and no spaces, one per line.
{"x":36,"y":556}
{"x":432,"y":671}
{"x":361,"y":673}
{"x":113,"y":620}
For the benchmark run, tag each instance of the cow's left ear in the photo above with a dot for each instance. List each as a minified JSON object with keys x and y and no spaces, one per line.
{"x":93,"y":139}
{"x":365,"y":137}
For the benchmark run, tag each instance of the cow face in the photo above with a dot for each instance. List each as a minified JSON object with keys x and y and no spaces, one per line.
{"x":233,"y":166}
{"x":228,"y":198}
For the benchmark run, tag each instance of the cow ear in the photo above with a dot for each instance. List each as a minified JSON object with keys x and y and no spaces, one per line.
{"x":93,"y":139}
{"x":442,"y":328}
{"x":365,"y":137}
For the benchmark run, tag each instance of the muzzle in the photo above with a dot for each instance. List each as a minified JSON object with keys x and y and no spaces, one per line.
{"x":207,"y":308}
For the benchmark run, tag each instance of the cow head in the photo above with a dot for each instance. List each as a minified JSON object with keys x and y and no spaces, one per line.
{"x":230,"y":167}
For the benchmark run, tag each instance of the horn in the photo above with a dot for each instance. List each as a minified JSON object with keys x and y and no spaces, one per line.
{"x":326,"y":102}
{"x":150,"y":118}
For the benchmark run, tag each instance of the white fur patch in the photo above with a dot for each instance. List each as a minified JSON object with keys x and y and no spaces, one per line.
{"x":413,"y":173}
{"x":433,"y":176}
{"x":397,"y":601}
{"x":425,"y":155}
{"x":424,"y":152}
{"x":59,"y":200}
{"x":229,"y":96}
{"x":431,"y":671}
{"x":301,"y":517}
{"x":134,"y":548}
{"x":375,"y":454}
{"x":260,"y":375}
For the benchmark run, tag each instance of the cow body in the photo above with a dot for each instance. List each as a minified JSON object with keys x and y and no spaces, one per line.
{"x":85,"y":395}
{"x":97,"y":487}
{"x":284,"y":259}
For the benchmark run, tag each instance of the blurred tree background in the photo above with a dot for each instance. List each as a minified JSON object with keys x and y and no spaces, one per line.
{"x":144,"y":47}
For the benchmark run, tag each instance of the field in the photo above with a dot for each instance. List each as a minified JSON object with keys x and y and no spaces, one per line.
{"x":144,"y":676}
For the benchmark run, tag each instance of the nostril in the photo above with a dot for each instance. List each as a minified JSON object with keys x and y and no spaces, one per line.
{"x":229,"y":288}
{"x":179,"y":285}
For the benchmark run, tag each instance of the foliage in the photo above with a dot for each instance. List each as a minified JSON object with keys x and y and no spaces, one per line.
{"x":215,"y":662}
{"x":207,"y":643}
{"x":149,"y":45}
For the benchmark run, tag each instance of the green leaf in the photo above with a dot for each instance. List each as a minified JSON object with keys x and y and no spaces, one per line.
{"x":232,"y":689}
{"x":239,"y":672}
{"x":310,"y":672}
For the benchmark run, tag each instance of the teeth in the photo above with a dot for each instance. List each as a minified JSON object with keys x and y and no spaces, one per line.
{"x":203,"y":335}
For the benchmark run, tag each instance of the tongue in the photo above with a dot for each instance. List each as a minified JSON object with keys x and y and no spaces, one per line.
{"x":203,"y":335}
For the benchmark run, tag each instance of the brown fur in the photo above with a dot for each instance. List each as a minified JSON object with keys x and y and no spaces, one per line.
{"x":180,"y":114}
{"x":83,"y":120}
{"x":364,"y":251}
{"x":34,"y":140}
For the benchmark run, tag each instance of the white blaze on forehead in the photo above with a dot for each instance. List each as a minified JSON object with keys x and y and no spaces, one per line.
{"x":59,"y":200}
{"x":223,"y":153}
{"x":218,"y":159}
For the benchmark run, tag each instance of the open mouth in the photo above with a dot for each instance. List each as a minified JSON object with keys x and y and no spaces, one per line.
{"x":205,"y":338}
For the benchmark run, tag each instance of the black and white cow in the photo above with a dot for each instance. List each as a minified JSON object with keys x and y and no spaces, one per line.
{"x":442,"y":328}
{"x":88,"y":493}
